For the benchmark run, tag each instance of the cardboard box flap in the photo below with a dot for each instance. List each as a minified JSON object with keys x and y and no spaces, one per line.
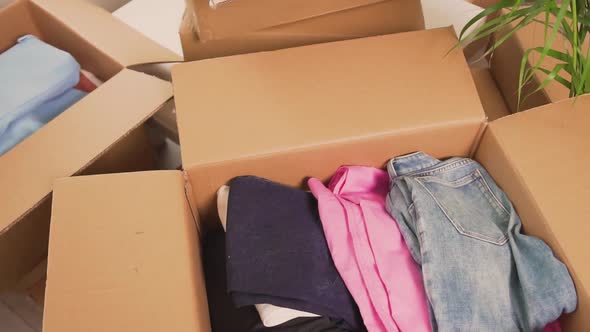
{"x":315,"y":87}
{"x":99,"y":28}
{"x":237,"y":17}
{"x":306,"y":111}
{"x":65,"y":147}
{"x":15,"y":21}
{"x":124,"y":255}
{"x":546,"y":150}
{"x":492,"y":100}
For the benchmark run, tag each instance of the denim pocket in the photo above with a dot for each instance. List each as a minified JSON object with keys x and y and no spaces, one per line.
{"x":471,"y":206}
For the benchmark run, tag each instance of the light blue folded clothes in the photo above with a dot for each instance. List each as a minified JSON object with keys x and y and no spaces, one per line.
{"x":26,"y":125}
{"x":36,"y":85}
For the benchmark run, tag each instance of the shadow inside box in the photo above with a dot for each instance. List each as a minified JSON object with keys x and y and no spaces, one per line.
{"x":225,"y":317}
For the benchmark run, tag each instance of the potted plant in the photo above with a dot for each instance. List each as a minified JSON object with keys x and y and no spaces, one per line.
{"x":565,"y":19}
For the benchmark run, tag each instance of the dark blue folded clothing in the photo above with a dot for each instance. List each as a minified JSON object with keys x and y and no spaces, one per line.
{"x":277,"y":252}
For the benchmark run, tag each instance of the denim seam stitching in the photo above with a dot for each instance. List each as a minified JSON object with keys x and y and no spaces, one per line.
{"x":485,"y":182}
{"x":460,"y":228}
{"x":441,"y":168}
{"x":453,"y":184}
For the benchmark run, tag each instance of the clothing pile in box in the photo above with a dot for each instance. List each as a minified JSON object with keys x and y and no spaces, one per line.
{"x":428,"y":245}
{"x":37,"y":83}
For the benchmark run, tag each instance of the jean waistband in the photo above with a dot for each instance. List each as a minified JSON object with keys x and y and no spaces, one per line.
{"x":419,"y":164}
{"x":410,"y":163}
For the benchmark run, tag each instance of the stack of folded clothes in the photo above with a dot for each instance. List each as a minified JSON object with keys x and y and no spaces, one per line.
{"x":428,"y":245}
{"x":37,"y":83}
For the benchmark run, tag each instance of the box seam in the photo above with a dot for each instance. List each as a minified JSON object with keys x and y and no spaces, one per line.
{"x":478,"y":138}
{"x":188,"y":193}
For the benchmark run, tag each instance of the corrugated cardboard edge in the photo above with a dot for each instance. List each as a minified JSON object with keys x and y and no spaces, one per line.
{"x":188,"y":192}
{"x":110,"y":35}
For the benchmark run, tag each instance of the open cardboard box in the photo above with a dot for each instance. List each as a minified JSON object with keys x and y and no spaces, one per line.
{"x":506,"y":62}
{"x":101,"y":133}
{"x":238,"y":17}
{"x":124,"y":249}
{"x":384,"y":17}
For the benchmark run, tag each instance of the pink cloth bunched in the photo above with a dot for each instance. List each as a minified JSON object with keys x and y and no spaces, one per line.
{"x":369,"y":251}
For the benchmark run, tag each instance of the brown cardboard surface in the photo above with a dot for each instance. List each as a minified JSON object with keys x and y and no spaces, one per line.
{"x":24,"y":244}
{"x":108,"y":34}
{"x":64,"y":147}
{"x":539,"y":157}
{"x":288,"y":125}
{"x":381,"y":18}
{"x":126,"y":258}
{"x":99,"y":134}
{"x":492,"y":99}
{"x":238,"y":17}
{"x":303,"y":102}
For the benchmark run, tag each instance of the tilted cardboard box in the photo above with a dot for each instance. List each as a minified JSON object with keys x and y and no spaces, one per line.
{"x":383,"y":17}
{"x":239,"y":17}
{"x":96,"y":135}
{"x":359,"y":102}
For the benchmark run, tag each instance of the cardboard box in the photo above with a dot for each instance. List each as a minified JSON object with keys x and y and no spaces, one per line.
{"x":506,"y":62}
{"x":298,"y":120}
{"x":384,"y":17}
{"x":239,"y":17}
{"x":492,"y":99}
{"x":101,"y":133}
{"x":127,"y":258}
{"x":329,"y":81}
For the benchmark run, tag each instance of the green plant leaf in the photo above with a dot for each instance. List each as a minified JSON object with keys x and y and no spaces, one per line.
{"x":551,"y":38}
{"x":527,"y":19}
{"x":551,"y":76}
{"x":557,"y":78}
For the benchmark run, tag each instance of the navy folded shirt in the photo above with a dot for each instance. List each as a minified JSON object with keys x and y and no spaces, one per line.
{"x":277,"y":252}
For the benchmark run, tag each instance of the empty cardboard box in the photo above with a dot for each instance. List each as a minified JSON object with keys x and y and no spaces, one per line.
{"x":101,"y":133}
{"x":383,"y":17}
{"x":302,"y":118}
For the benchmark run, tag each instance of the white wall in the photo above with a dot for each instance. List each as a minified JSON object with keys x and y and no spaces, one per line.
{"x":109,"y":5}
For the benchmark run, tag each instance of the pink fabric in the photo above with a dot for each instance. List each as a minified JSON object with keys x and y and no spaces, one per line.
{"x":553,"y":327}
{"x":369,"y":251}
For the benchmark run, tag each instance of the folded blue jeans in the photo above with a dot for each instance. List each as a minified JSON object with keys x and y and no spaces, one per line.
{"x":480,"y":272}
